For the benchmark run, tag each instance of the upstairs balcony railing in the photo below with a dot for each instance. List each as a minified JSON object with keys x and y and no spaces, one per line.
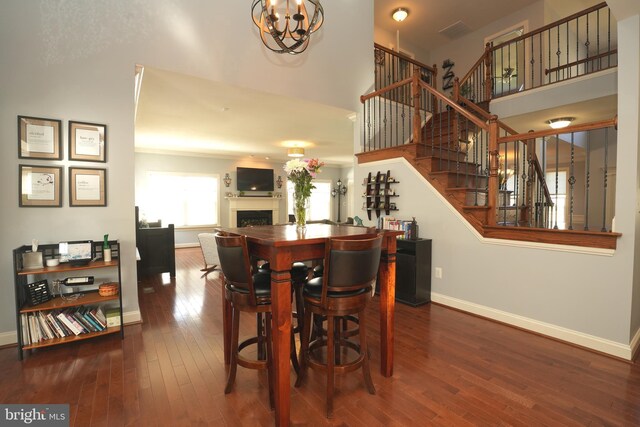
{"x":392,"y":67}
{"x":577,"y":45}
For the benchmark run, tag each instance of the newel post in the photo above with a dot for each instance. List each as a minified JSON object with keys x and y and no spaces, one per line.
{"x":455,"y":94}
{"x":415,"y":92}
{"x":494,"y":164}
{"x":488,"y":86}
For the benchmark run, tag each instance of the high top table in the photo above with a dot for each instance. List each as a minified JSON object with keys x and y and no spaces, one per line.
{"x":282,"y":245}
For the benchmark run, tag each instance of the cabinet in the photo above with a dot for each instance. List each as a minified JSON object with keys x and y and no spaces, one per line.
{"x":413,"y":271}
{"x":57,"y":304}
{"x":379,"y":194}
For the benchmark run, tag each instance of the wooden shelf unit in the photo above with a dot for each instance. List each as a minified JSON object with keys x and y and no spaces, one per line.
{"x":378,"y":193}
{"x":89,"y":298}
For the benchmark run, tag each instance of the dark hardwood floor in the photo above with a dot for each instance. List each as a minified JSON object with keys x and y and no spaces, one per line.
{"x":450,"y":369}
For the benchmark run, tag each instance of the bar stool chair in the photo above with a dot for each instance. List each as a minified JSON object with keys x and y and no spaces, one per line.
{"x":341,"y":291}
{"x":250,"y":293}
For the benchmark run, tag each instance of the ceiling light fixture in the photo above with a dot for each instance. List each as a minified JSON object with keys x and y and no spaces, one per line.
{"x":560,"y":122}
{"x":291,"y":34}
{"x":295,"y":152}
{"x":400,"y":14}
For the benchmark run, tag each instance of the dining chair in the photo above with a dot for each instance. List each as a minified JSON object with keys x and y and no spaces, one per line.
{"x":246,"y":292}
{"x":341,"y":291}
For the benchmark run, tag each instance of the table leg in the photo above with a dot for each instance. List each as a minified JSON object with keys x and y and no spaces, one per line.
{"x":226,"y":327}
{"x":281,"y":324}
{"x":387,"y":278}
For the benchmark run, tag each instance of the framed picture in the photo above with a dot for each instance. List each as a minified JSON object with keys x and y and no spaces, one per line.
{"x":40,"y":186}
{"x":87,"y":142}
{"x":39,"y":138}
{"x":87,"y":187}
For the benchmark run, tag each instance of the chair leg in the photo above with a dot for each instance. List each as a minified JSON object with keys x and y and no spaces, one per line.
{"x":304,"y":347}
{"x":260,"y":334}
{"x":330,"y":364}
{"x":270,"y":370}
{"x":235,"y":330}
{"x":294,"y":355}
{"x":366,"y":372}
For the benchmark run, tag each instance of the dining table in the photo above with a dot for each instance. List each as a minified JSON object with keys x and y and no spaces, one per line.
{"x":282,"y":245}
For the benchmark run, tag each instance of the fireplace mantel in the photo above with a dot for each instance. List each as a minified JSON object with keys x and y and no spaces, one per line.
{"x":253,"y":204}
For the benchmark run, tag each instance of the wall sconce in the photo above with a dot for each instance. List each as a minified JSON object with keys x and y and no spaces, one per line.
{"x":279,"y":181}
{"x":339,"y":190}
{"x":227,"y":180}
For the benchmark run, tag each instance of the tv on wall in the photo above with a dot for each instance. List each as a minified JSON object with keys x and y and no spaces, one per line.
{"x":252,"y":179}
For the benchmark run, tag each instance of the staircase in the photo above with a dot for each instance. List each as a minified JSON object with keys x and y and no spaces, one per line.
{"x":459,"y":148}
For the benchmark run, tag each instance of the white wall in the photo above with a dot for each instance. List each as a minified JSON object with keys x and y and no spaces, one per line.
{"x":466,"y":50}
{"x":577,"y":297}
{"x":75,"y":61}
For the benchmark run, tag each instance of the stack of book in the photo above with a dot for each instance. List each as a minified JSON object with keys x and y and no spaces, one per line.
{"x":45,"y":325}
{"x":390,"y":223}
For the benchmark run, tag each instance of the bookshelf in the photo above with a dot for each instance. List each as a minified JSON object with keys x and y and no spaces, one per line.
{"x":379,"y":194}
{"x":57,"y":305}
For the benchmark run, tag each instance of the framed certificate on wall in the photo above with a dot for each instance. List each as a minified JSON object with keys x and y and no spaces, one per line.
{"x":39,"y":138}
{"x":87,"y":142}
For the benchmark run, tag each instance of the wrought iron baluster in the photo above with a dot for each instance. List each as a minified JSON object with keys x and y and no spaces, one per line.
{"x":598,"y":39}
{"x":384,"y":118}
{"x":555,"y":227}
{"x":606,"y":170}
{"x":587,"y":181}
{"x":558,"y":53}
{"x":572,"y":181}
{"x":568,"y":69}
{"x":587,"y":44}
{"x":516,"y":163}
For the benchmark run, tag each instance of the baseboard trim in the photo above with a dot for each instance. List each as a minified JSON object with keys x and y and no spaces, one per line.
{"x":635,"y":345}
{"x":186,"y":245}
{"x":11,"y":339}
{"x":563,"y":334}
{"x":8,"y":338}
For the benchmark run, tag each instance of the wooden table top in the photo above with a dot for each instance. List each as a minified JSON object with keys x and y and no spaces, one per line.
{"x":288,"y":235}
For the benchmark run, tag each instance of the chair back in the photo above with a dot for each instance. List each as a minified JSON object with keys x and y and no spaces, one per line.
{"x":350,"y":265}
{"x":234,"y":263}
{"x":208,"y":246}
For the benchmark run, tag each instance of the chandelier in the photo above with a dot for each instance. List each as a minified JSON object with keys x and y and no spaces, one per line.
{"x":289,"y":28}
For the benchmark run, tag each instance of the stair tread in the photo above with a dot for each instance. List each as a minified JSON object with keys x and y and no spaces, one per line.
{"x":467,"y":189}
{"x":457,"y":173}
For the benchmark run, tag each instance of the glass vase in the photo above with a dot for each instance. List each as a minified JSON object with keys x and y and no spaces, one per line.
{"x":300,"y":211}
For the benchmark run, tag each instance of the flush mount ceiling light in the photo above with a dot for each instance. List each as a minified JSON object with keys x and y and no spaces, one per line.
{"x":400,"y":14}
{"x":295,"y":152}
{"x":285,"y":29}
{"x":560,"y":122}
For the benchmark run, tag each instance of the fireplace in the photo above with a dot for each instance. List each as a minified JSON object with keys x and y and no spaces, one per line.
{"x":253,"y":204}
{"x":245,"y":218}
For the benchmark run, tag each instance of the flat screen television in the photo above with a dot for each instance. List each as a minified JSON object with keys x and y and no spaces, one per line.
{"x":252,"y":179}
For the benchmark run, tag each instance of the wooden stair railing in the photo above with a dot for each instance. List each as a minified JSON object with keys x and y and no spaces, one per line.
{"x":459,"y":153}
{"x":544,"y":56}
{"x":537,"y":198}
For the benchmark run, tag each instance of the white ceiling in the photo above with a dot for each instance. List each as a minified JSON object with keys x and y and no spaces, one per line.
{"x":187,"y":115}
{"x":427,"y":17}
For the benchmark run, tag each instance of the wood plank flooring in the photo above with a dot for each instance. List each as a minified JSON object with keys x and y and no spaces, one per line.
{"x":450,"y":369}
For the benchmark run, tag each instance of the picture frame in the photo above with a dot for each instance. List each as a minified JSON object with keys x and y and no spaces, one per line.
{"x":87,"y":141}
{"x":87,"y":187}
{"x":39,"y":138}
{"x":39,"y":186}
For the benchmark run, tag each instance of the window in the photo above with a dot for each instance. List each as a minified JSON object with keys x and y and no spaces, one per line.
{"x":181,"y":199}
{"x":320,"y":201}
{"x":558,"y":194}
